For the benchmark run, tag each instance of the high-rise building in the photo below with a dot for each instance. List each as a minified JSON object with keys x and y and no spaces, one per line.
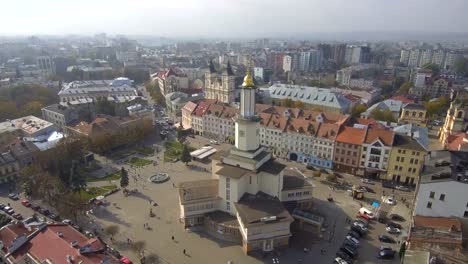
{"x":46,"y":65}
{"x":304,"y":61}
{"x":414,"y":58}
{"x":326,"y":50}
{"x":338,"y":53}
{"x":438,"y":57}
{"x":450,"y":59}
{"x":315,"y":60}
{"x":426,"y":57}
{"x":404,"y":56}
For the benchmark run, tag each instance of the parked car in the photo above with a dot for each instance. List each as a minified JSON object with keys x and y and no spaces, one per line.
{"x":35,"y":207}
{"x":89,"y":233}
{"x":393,"y":230}
{"x":386,"y":254}
{"x":390,"y":200}
{"x":367,"y":181}
{"x":310,"y":167}
{"x":354,"y":234}
{"x":8,"y":210}
{"x":346,"y":243}
{"x":67,"y":222}
{"x":393,"y":224}
{"x":44,"y":211}
{"x":26,"y":202}
{"x":367,"y":189}
{"x":397,"y":217}
{"x":360,"y":225}
{"x":54,"y":217}
{"x":403,"y":188}
{"x":344,"y":256}
{"x":339,"y":260}
{"x":358,"y":230}
{"x":214,"y":142}
{"x":387,"y":184}
{"x":349,"y":251}
{"x":386,"y":239}
{"x":13,"y":196}
{"x":362,"y":222}
{"x":366,"y":213}
{"x":2,"y":206}
{"x":17,"y":216}
{"x":353,"y":240}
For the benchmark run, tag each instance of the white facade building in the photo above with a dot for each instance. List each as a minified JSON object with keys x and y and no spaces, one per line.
{"x":77,"y":90}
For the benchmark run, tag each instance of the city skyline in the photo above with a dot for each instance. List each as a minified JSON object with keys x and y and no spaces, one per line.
{"x":209,"y":18}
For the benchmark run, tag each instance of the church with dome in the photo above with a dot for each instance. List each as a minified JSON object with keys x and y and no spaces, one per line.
{"x":251,"y":198}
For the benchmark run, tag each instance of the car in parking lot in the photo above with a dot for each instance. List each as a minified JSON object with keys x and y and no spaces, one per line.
{"x":54,"y":217}
{"x":393,"y":230}
{"x":402,"y":188}
{"x":44,"y":211}
{"x":386,"y":253}
{"x":353,"y":240}
{"x":367,"y":181}
{"x":358,"y":230}
{"x":349,"y":244}
{"x":2,"y":206}
{"x":342,"y":255}
{"x":396,"y":217}
{"x":386,"y":239}
{"x":67,"y":222}
{"x":354,"y":234}
{"x":390,"y":200}
{"x":339,"y":260}
{"x":393,"y":224}
{"x":8,"y":210}
{"x":13,"y":196}
{"x":35,"y":207}
{"x":362,"y":221}
{"x":214,"y":142}
{"x":361,"y":226}
{"x":349,"y":251}
{"x":25,"y":202}
{"x":17,"y":216}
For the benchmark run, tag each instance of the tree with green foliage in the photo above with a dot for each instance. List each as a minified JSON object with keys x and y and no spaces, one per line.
{"x":436,"y":106}
{"x":152,"y":88}
{"x":404,"y":88}
{"x":461,"y":66}
{"x":358,"y":110}
{"x":103,"y":106}
{"x":180,"y":134}
{"x":185,"y":156}
{"x":123,"y":178}
{"x":382,"y":115}
{"x":77,"y":181}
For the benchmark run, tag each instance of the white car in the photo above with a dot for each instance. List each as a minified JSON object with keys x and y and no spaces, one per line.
{"x":339,"y":260}
{"x":393,"y":230}
{"x":390,"y":200}
{"x":214,"y":142}
{"x":366,"y":181}
{"x":361,"y":226}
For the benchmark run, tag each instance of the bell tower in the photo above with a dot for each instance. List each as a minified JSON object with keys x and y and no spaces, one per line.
{"x":247,"y":121}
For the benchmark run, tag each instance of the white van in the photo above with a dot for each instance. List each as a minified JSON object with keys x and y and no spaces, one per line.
{"x":366,"y":213}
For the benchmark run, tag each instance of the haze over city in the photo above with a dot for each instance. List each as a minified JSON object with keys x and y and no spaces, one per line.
{"x":231,"y":18}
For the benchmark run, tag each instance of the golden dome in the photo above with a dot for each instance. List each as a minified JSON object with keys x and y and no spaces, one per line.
{"x":248,"y":80}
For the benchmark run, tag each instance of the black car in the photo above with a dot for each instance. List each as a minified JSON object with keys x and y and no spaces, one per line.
{"x":344,"y":256}
{"x":358,"y":230}
{"x":349,"y":244}
{"x":44,"y":211}
{"x":387,"y":184}
{"x":349,"y":251}
{"x":354,"y":234}
{"x":386,"y":239}
{"x":35,"y":207}
{"x":386,"y":254}
{"x":54,"y":217}
{"x":2,"y":206}
{"x":393,"y":224}
{"x":397,"y":217}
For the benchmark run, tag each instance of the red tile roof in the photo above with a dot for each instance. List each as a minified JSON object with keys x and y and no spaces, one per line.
{"x":351,"y":135}
{"x":386,"y":136}
{"x":458,"y":141}
{"x":53,"y":243}
{"x":402,"y":99}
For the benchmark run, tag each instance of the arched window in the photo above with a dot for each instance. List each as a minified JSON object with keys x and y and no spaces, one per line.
{"x":420,"y":114}
{"x":460,"y":114}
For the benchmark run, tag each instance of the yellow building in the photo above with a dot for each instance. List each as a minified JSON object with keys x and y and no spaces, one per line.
{"x":406,"y":160}
{"x":455,"y":120}
{"x":413,"y":114}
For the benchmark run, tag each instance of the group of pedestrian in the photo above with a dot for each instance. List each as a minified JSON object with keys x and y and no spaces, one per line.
{"x":323,"y":251}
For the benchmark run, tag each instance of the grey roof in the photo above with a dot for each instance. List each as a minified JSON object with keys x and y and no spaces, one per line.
{"x":446,"y":165}
{"x":6,"y":158}
{"x":389,"y":104}
{"x":253,"y":208}
{"x":94,"y":86}
{"x":414,"y":106}
{"x":419,"y":133}
{"x":309,"y":95}
{"x":293,"y":180}
{"x":232,"y":171}
{"x":407,"y":142}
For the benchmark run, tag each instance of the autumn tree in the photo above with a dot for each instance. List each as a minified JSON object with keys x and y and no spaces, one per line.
{"x":382,"y":115}
{"x":358,"y":109}
{"x":404,"y":88}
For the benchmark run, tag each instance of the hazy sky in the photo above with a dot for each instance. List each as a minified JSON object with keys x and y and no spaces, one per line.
{"x":224,"y":18}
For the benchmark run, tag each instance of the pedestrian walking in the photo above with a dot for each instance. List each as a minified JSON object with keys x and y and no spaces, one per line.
{"x":172,"y":238}
{"x":184,"y":252}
